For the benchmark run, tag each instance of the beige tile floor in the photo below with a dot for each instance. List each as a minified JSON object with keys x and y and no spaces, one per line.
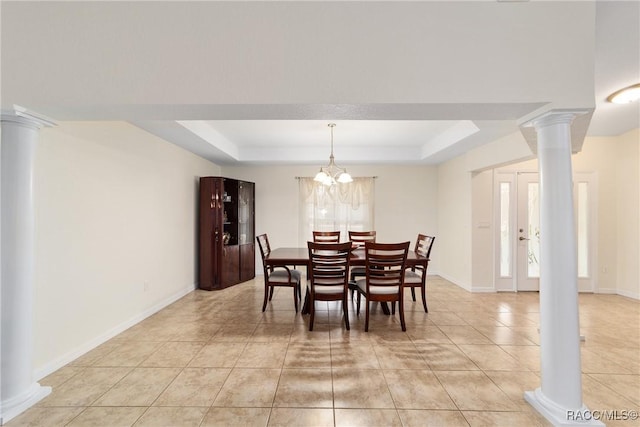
{"x":214,"y":359}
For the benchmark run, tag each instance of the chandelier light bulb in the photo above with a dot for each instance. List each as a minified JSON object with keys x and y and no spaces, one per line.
{"x":321,"y":176}
{"x":345,"y":178}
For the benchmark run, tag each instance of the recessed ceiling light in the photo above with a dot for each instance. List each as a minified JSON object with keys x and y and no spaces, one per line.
{"x":626,"y":95}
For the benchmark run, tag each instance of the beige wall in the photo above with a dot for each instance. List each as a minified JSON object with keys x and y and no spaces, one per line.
{"x":628,"y":215}
{"x":115,"y":209}
{"x":454,"y":222}
{"x":505,"y":150}
{"x":482,"y":232}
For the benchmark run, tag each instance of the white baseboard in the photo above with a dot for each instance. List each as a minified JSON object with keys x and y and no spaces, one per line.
{"x":465,"y":286}
{"x":58,"y":363}
{"x":628,"y":294}
{"x":614,"y":291}
{"x":456,"y":282}
{"x":13,"y":407}
{"x":479,"y":290}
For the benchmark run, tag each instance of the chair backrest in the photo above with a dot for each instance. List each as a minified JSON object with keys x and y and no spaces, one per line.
{"x":326,"y":236}
{"x":424,"y":244}
{"x":362,"y":236}
{"x":329,"y":264}
{"x":385,"y":264}
{"x":263,"y":244}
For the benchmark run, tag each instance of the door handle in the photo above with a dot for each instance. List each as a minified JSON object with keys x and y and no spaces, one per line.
{"x":522,"y":238}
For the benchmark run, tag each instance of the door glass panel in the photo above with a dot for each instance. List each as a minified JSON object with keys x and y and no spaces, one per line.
{"x":583,"y":229}
{"x":245,"y":212}
{"x":533,"y":208}
{"x":505,"y":230}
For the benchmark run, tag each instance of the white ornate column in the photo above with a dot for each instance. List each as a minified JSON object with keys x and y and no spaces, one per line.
{"x":18,"y":390}
{"x":559,"y":398}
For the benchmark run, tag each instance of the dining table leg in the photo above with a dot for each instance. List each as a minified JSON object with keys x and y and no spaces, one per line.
{"x":385,"y":308}
{"x":305,"y":306}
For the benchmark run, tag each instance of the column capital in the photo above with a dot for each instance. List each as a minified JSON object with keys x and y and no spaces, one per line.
{"x":576,"y":119}
{"x":21,"y":116}
{"x":555,"y":117}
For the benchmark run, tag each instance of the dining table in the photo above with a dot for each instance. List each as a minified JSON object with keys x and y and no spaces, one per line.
{"x":300,"y":257}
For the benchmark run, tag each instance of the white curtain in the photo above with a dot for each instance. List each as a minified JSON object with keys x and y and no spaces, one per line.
{"x":341,"y":207}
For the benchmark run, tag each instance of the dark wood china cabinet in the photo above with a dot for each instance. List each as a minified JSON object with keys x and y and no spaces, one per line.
{"x":227,"y":236}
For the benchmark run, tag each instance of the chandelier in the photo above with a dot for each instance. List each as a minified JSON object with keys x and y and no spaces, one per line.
{"x":332,"y":173}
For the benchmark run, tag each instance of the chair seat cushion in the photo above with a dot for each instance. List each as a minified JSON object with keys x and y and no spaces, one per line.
{"x":280,"y":275}
{"x":412,"y":277}
{"x":331,"y":289}
{"x":380,"y":290}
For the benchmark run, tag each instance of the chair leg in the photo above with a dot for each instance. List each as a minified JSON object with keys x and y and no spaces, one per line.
{"x":358,"y":304}
{"x":401,"y":308}
{"x":413,"y":293}
{"x":271,"y":293}
{"x":295,"y":298}
{"x":366,"y":320}
{"x":266,"y":296}
{"x":305,"y":305}
{"x":424,"y":298}
{"x":345,"y":309}
{"x":312,"y":312}
{"x":354,"y":279}
{"x":393,"y":307}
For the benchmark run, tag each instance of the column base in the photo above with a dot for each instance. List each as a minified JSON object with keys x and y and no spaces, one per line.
{"x":13,"y":407}
{"x":557,"y":415}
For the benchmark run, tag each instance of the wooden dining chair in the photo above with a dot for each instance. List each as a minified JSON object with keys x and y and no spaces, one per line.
{"x":278,"y":275}
{"x":326,"y":236}
{"x":384,"y":279}
{"x":359,"y":238}
{"x":328,"y":276}
{"x":416,"y":276}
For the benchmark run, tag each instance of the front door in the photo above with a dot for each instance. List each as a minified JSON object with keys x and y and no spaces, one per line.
{"x":518,"y":231}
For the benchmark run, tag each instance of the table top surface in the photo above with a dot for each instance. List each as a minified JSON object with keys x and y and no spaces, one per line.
{"x":301,"y":256}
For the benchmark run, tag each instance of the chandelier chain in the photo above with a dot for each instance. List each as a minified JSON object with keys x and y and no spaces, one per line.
{"x":332,"y":173}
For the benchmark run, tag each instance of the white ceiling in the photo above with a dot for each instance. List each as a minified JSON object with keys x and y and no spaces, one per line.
{"x":617,"y":56}
{"x":309,"y":141}
{"x":274,"y":130}
{"x":617,"y":48}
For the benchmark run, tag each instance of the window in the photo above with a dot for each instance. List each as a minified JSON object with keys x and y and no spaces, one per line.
{"x":341,"y":207}
{"x":505,"y":229}
{"x":583,"y":229}
{"x":533,"y":230}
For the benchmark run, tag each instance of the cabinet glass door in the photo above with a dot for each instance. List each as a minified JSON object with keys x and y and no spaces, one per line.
{"x":245,"y":213}
{"x":230,"y":209}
